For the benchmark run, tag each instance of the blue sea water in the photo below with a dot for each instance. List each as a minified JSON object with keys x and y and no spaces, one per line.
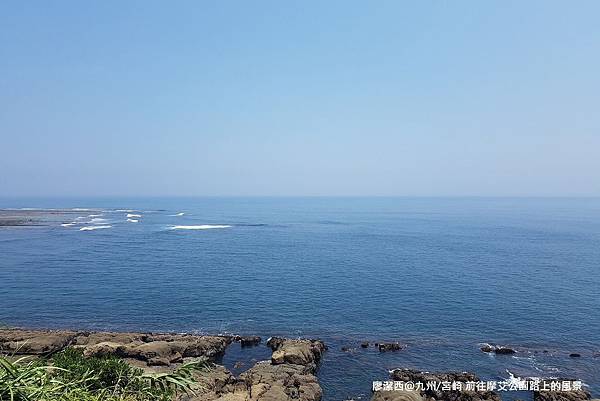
{"x":441,"y":275}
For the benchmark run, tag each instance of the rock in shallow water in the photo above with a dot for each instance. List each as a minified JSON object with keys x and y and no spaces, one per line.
{"x":385,"y":347}
{"x":497,"y":349}
{"x":298,"y":352}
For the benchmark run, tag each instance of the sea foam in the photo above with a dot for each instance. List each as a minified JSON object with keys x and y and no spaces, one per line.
{"x":130,"y":215}
{"x":90,"y":228}
{"x":200,"y":227}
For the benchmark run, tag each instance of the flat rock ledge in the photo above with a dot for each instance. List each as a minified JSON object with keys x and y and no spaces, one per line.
{"x":150,"y":348}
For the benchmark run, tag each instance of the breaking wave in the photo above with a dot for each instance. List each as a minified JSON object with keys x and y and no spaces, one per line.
{"x":200,"y":227}
{"x":90,"y":228}
{"x":130,"y":215}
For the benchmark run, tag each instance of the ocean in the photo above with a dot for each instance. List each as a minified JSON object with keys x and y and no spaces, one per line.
{"x":440,"y":275}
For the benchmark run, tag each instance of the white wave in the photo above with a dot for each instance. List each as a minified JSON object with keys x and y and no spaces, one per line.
{"x":80,"y":209}
{"x":178,"y":214}
{"x":129,"y":215}
{"x":68,"y":224}
{"x":200,"y":227}
{"x":125,"y":210}
{"x":90,"y":228}
{"x":97,"y":220}
{"x":132,"y":220}
{"x":94,"y":215}
{"x":514,"y":380}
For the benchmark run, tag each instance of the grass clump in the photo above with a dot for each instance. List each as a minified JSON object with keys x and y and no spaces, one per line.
{"x":69,"y":376}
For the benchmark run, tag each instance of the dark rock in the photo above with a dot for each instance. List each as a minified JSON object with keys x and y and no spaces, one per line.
{"x":385,"y":347}
{"x":275,"y":342}
{"x":504,"y":351}
{"x":249,"y":341}
{"x":364,"y":344}
{"x":487,"y":348}
{"x":575,"y":355}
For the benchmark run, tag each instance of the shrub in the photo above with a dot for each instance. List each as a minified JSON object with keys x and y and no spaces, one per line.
{"x":70,"y":376}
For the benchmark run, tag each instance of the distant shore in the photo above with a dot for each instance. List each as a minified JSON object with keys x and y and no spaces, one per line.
{"x":33,"y":217}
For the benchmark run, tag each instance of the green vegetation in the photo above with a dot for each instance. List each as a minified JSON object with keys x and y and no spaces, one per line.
{"x":69,"y":376}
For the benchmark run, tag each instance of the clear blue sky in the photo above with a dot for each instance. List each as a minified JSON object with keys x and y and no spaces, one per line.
{"x":299,"y":98}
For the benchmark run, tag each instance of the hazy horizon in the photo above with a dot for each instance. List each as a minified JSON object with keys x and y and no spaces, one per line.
{"x":424,"y":99}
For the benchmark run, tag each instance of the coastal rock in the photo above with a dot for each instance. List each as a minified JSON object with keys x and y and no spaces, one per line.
{"x":92,"y":338}
{"x":415,"y":376}
{"x":158,"y":361}
{"x":155,"y":349}
{"x":575,"y":355}
{"x":364,"y":344}
{"x":298,"y":352}
{"x":104,"y":348}
{"x":487,"y":348}
{"x":504,"y":351}
{"x":576,"y":395}
{"x":266,"y":380}
{"x":397,"y":396}
{"x":216,"y":383}
{"x":34,"y":342}
{"x":289,"y":375}
{"x":385,"y":347}
{"x":497,"y":349}
{"x":249,"y":341}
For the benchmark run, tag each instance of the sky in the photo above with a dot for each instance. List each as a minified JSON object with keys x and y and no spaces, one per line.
{"x":289,"y":98}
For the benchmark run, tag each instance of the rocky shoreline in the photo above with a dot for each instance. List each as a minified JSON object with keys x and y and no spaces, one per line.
{"x":289,"y":374}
